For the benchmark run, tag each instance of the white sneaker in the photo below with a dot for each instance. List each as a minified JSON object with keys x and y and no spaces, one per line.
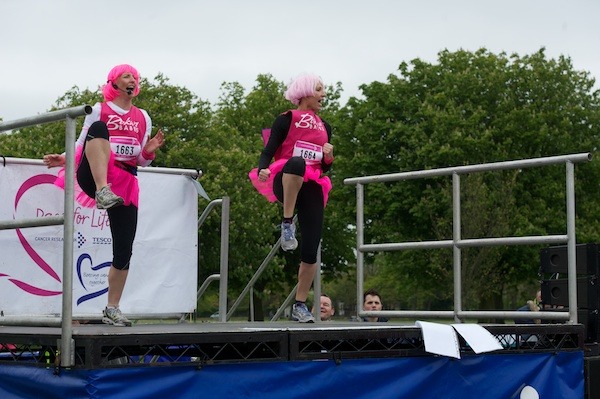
{"x":288,"y":237}
{"x":300,"y":313}
{"x":106,"y":199}
{"x":114,"y":317}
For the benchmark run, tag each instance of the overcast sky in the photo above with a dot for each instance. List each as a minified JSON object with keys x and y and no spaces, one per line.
{"x":49,"y":46}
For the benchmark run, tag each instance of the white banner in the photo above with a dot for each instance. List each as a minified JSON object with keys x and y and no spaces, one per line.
{"x":164,"y":267}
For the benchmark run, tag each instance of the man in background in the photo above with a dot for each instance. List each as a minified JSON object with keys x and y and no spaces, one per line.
{"x":372,"y":302}
{"x":326,"y":308}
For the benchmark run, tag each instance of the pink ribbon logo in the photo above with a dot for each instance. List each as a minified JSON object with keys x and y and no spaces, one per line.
{"x":39,"y":261}
{"x":42,"y":264}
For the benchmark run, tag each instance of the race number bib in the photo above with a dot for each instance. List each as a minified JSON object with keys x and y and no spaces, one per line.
{"x":125,"y":148}
{"x":311,"y":153}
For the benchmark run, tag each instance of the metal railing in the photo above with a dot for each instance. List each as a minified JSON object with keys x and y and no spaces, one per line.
{"x":223,"y":275}
{"x":66,"y":344}
{"x":289,"y":299}
{"x":457,"y":243}
{"x":67,"y":347}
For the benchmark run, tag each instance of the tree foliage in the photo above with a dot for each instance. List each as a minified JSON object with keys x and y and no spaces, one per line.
{"x":224,"y":143}
{"x":470,"y":108}
{"x":465,"y":108}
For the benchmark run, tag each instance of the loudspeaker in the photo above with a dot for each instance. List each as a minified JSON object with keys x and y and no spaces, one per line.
{"x":591,"y":372}
{"x":591,"y":320}
{"x":556,"y":292}
{"x":587,"y":259}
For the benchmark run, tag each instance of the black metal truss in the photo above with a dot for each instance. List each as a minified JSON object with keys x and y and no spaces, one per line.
{"x":199,"y":349}
{"x":138,"y":350}
{"x":339,"y":345}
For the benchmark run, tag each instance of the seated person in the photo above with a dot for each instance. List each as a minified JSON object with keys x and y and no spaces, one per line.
{"x":533,"y":305}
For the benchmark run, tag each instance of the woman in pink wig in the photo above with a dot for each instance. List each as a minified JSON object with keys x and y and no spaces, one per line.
{"x":299,"y":142}
{"x":115,"y":139}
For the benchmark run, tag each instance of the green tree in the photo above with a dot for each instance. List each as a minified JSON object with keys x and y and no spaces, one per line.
{"x":33,"y":142}
{"x":466,"y":108}
{"x":469,"y":108}
{"x":224,"y":144}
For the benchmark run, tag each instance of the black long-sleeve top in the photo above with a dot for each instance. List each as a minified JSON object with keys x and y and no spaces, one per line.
{"x":279,"y":132}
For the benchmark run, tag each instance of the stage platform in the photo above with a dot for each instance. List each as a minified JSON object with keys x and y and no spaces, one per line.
{"x":270,"y":360}
{"x":102,"y":346}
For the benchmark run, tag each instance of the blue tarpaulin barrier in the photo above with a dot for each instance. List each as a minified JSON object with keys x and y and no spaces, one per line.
{"x":492,"y":376}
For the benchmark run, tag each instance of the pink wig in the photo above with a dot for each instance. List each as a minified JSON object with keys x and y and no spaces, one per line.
{"x":302,"y":86}
{"x":109,"y":92}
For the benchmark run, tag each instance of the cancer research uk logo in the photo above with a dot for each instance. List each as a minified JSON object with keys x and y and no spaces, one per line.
{"x":32,"y":198}
{"x":80,"y":239}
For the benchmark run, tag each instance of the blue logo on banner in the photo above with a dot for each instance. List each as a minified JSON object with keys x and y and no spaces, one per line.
{"x":91,"y":277}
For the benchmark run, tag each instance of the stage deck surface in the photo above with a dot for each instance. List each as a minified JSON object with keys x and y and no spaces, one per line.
{"x":101,"y":346}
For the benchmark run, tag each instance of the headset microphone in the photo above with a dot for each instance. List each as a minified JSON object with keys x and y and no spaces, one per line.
{"x":129,"y":90}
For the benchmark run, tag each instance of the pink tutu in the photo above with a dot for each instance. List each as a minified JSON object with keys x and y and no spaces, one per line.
{"x":122,"y":183}
{"x":266,"y":187}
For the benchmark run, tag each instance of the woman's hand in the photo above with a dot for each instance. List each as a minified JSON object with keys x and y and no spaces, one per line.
{"x":328,"y":152}
{"x":264,"y":174}
{"x":155,"y":142}
{"x":53,"y":160}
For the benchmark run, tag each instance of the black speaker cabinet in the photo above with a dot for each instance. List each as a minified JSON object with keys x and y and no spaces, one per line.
{"x":587,"y":259}
{"x":592,"y":377}
{"x":591,"y":320}
{"x":556,"y":292}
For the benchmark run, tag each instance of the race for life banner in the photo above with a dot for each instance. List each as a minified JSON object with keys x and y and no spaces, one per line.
{"x":164,"y":266}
